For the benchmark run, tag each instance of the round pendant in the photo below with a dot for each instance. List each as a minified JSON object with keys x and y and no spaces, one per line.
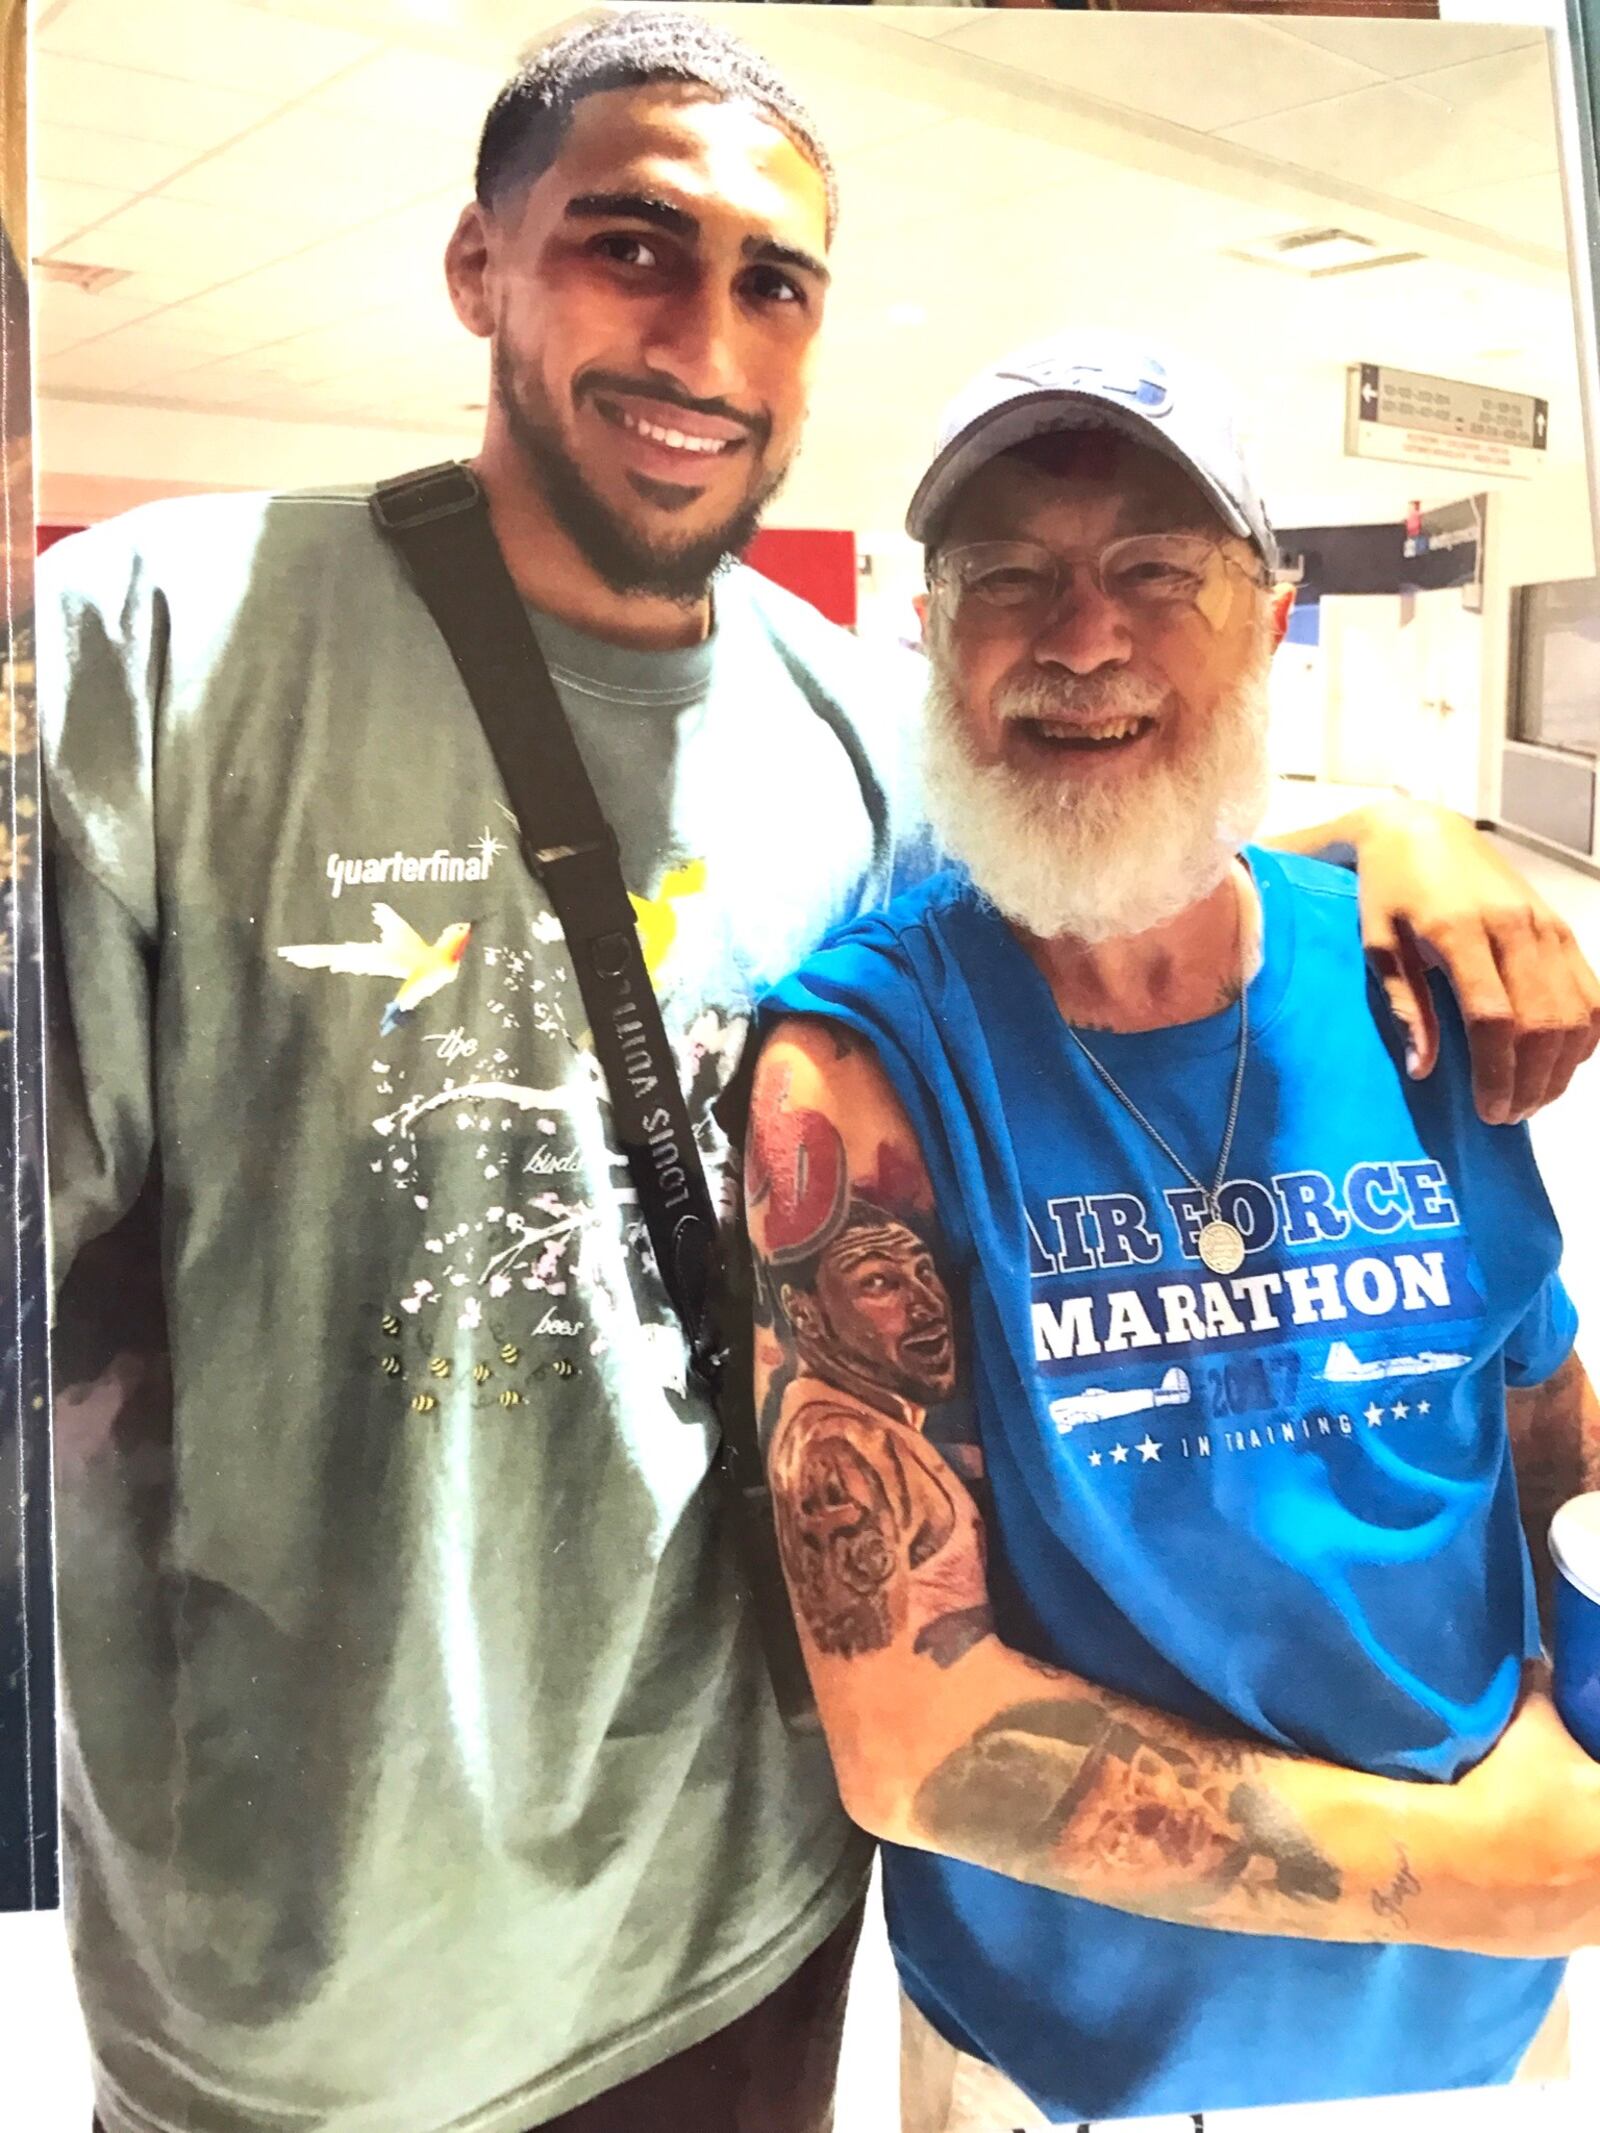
{"x":1220,"y":1246}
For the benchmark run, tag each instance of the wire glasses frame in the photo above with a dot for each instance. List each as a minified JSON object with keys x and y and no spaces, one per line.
{"x":1019,"y":584}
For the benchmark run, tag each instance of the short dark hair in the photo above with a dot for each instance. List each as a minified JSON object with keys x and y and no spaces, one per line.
{"x":529,"y":119}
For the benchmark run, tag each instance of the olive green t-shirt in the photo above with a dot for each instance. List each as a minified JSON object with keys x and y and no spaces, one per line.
{"x":422,"y":1770}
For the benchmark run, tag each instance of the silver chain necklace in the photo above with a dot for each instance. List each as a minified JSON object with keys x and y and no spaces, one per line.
{"x":1220,"y":1244}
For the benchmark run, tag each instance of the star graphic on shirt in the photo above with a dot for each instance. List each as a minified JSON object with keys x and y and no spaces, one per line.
{"x":1423,"y":1406}
{"x":1374,"y":1416}
{"x":1400,"y":1410}
{"x":1094,"y":1458}
{"x":1148,"y":1449}
{"x":488,"y":847}
{"x":1119,"y":1454}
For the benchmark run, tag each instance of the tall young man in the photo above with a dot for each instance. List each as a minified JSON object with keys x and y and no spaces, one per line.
{"x":424,"y":1776}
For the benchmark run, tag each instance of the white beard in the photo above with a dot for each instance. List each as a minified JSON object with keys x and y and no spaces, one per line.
{"x":1097,"y":862}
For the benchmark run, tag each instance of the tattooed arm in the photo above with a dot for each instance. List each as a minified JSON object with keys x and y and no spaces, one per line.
{"x":1555,"y":1446}
{"x":945,"y":1738}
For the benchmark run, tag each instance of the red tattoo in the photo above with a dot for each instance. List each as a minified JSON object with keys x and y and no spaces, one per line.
{"x":797,"y":1176}
{"x":897,"y":1184}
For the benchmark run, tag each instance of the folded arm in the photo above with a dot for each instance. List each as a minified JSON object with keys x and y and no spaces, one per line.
{"x":946,"y":1738}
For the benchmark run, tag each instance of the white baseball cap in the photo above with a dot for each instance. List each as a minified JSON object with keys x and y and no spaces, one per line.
{"x":1094,"y":381}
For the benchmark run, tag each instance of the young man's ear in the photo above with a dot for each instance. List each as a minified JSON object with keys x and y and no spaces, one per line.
{"x":466,"y":270}
{"x":1282,"y":602}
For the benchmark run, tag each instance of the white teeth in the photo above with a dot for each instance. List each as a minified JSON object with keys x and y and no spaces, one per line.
{"x":675,"y":438}
{"x":1114,"y":730}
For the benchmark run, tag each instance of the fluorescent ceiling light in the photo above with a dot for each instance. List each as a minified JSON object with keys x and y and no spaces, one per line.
{"x":1313,"y":253}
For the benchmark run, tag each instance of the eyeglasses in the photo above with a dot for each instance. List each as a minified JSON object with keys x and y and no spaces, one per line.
{"x":1018,"y":584}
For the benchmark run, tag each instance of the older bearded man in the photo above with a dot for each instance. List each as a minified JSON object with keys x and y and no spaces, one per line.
{"x":1182,"y":1651}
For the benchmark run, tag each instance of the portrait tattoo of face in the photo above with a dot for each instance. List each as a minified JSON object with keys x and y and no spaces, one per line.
{"x":872,"y":1313}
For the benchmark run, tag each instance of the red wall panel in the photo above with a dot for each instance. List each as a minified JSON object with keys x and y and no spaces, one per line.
{"x":817,"y":563}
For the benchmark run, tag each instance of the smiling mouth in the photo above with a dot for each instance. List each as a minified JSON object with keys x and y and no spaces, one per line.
{"x":1086,"y":736}
{"x":695,"y":436}
{"x":931,"y":1350}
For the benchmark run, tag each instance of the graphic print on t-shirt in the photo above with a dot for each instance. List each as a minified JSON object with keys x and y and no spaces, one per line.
{"x":1354,"y":1307}
{"x":422,"y":967}
{"x":537,"y":1273}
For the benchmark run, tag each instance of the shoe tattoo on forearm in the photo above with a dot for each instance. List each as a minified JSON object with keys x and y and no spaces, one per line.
{"x":1070,"y":1794}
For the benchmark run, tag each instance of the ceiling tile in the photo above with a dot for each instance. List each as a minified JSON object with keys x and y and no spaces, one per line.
{"x":1393,"y":139}
{"x":145,"y":107}
{"x":932,"y":19}
{"x":1511,"y":89}
{"x":407,"y":93}
{"x":215,"y":42}
{"x":949,"y":168}
{"x":1531,"y":209}
{"x":58,"y":212}
{"x":494,"y":26}
{"x":1401,"y":48}
{"x":349,"y":271}
{"x":75,"y":155}
{"x":313,"y":166}
{"x":62,"y":316}
{"x":157,"y":233}
{"x":1173,"y":66}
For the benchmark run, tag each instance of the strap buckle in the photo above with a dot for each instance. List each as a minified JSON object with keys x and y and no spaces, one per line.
{"x":432,"y":493}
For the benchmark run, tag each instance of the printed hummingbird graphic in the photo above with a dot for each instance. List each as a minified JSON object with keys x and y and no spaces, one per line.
{"x":423,"y":967}
{"x":654,"y":916}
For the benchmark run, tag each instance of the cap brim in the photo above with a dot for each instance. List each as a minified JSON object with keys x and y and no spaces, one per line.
{"x":1038,"y":414}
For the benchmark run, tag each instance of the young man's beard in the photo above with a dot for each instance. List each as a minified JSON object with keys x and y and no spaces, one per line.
{"x":1089,"y":862}
{"x":626,"y":560}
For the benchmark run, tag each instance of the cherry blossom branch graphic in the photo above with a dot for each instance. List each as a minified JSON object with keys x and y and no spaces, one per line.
{"x":514,"y":1093}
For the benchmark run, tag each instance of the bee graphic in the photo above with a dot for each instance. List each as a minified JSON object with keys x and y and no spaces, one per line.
{"x":564,"y":1367}
{"x":481,"y":1373}
{"x":510,"y":1352}
{"x":439,"y":1367}
{"x":423,"y":1403}
{"x":511,"y":1397}
{"x":390,"y":1366}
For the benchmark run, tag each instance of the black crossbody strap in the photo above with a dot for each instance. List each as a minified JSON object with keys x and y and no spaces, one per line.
{"x":438,"y":520}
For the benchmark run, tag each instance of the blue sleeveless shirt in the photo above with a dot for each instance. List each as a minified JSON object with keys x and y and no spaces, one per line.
{"x":1280,"y":1502}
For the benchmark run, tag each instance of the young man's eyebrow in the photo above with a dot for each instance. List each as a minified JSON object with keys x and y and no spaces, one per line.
{"x":769,"y":253}
{"x":677,"y":222}
{"x":632,"y":207}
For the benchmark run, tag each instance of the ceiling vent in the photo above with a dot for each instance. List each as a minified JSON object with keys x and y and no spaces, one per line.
{"x":1315,"y":253}
{"x":79,"y":274}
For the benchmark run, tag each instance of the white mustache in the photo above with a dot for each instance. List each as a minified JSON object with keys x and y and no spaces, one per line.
{"x":1039,"y":696}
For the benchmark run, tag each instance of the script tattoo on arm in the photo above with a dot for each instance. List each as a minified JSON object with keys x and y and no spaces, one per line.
{"x":1555,"y":1448}
{"x":1390,"y":1903}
